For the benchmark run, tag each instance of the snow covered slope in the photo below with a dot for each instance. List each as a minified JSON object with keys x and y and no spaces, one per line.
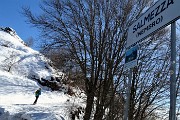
{"x":18,"y":65}
{"x":24,"y":60}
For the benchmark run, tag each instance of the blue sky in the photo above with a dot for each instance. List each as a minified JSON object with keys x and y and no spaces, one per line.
{"x":10,"y":16}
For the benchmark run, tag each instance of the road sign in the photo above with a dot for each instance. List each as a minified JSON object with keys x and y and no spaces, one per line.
{"x":131,"y":57}
{"x":158,"y":16}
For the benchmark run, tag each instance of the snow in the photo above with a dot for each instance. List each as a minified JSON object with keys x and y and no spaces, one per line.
{"x":17,"y":91}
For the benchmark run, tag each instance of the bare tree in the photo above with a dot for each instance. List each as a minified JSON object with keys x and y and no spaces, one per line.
{"x":10,"y":61}
{"x":63,"y":60}
{"x":94,"y":31}
{"x":30,"y":41}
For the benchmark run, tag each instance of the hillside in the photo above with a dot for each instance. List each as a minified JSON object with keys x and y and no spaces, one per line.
{"x":22,"y":71}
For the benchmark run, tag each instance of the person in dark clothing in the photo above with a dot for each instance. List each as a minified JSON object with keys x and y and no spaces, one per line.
{"x":73,"y":115}
{"x":37,"y":94}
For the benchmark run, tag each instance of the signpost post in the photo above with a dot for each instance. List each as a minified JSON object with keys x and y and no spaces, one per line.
{"x":126,"y":107}
{"x":161,"y":14}
{"x":172,"y":112}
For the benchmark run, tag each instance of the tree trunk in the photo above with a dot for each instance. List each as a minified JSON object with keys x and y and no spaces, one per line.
{"x":99,"y":112}
{"x":89,"y":105}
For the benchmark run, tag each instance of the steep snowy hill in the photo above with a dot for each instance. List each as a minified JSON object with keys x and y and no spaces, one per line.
{"x":18,"y":59}
{"x":22,"y":71}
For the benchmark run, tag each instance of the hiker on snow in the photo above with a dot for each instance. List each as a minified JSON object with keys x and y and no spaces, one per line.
{"x":37,"y":94}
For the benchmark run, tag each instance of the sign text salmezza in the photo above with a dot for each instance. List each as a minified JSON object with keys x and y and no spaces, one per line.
{"x":158,"y":16}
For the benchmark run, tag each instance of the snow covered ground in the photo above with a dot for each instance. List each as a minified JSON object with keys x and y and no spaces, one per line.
{"x":17,"y":91}
{"x":17,"y":96}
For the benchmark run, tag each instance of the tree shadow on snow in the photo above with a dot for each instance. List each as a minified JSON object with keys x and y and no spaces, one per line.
{"x":22,"y":104}
{"x":40,"y":115}
{"x":44,"y":116}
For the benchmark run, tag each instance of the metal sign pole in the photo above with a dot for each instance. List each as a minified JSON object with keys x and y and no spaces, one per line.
{"x":126,"y":107}
{"x":172,"y":112}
